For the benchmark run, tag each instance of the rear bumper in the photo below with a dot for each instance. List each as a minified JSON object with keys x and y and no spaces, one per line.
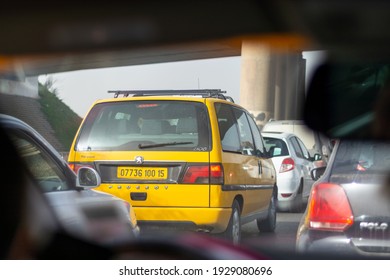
{"x":214,"y":220}
{"x":341,"y":246}
{"x":331,"y":244}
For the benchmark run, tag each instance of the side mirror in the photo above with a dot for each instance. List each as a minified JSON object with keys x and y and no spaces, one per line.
{"x":87,"y":177}
{"x":262,"y":154}
{"x":317,"y":172}
{"x":317,"y":157}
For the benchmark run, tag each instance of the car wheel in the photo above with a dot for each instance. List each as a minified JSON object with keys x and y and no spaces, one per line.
{"x":233,"y":230}
{"x":269,"y":224}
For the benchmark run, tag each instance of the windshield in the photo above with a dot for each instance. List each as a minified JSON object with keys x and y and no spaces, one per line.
{"x":192,"y":167}
{"x":136,"y":125}
{"x":362,"y":162}
{"x":277,"y":147}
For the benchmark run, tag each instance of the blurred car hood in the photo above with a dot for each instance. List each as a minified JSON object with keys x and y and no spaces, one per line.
{"x":92,"y":215}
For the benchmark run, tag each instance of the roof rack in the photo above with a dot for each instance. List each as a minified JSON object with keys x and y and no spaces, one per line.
{"x":216,"y":93}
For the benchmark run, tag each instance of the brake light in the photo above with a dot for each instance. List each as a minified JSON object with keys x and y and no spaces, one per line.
{"x":360,"y":166}
{"x":204,"y":174}
{"x":147,"y":105}
{"x":329,"y":208}
{"x":287,"y":165}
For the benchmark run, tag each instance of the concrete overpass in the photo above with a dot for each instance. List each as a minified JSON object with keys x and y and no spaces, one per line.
{"x":272,"y":82}
{"x":37,"y":40}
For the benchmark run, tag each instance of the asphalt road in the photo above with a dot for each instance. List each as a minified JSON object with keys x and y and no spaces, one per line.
{"x":282,"y":241}
{"x":279,"y":244}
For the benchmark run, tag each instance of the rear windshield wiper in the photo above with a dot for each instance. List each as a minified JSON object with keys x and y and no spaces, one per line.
{"x":140,"y":146}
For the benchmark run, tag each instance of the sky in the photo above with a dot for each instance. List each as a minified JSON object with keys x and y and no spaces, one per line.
{"x":79,"y":89}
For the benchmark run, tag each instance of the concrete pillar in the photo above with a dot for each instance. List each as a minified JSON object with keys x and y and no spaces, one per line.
{"x":272,"y":83}
{"x":295,"y":86}
{"x":280,"y":88}
{"x":301,"y":88}
{"x":257,"y":80}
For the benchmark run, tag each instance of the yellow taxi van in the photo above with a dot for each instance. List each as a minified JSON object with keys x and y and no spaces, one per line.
{"x":186,"y":159}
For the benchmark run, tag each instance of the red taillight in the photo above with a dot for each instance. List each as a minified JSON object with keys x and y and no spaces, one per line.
{"x":360,"y":167}
{"x":329,"y":208}
{"x":204,"y":174}
{"x":287,"y":165}
{"x":285,"y":195}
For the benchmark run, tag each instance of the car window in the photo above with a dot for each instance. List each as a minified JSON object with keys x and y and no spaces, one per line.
{"x":296,"y":147}
{"x":246,"y":139}
{"x":228,"y":130}
{"x":44,"y":169}
{"x":263,"y":53}
{"x":277,"y":147}
{"x":305,"y":152}
{"x":259,"y":144}
{"x":157,"y":125}
{"x":361,"y":161}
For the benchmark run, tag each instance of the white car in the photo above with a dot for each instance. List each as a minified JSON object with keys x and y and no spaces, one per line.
{"x":315,"y":142}
{"x":293,"y":164}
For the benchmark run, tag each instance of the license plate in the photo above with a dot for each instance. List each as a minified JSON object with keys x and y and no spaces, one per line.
{"x":142,"y":173}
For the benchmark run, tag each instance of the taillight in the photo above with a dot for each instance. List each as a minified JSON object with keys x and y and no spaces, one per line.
{"x":329,"y":208}
{"x":361,"y":166}
{"x":204,"y":174}
{"x":76,"y":166}
{"x":287,"y":165}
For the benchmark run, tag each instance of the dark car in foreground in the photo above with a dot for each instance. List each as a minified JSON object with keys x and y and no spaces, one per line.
{"x":82,"y":211}
{"x":348,"y":212}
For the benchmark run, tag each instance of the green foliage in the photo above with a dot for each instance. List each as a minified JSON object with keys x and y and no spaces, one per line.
{"x":61,"y":117}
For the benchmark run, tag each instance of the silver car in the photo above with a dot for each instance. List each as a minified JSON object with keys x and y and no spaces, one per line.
{"x":82,"y":211}
{"x":293,"y":164}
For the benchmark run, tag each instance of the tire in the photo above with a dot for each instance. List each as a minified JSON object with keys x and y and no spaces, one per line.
{"x":269,"y":224}
{"x":233,"y":230}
